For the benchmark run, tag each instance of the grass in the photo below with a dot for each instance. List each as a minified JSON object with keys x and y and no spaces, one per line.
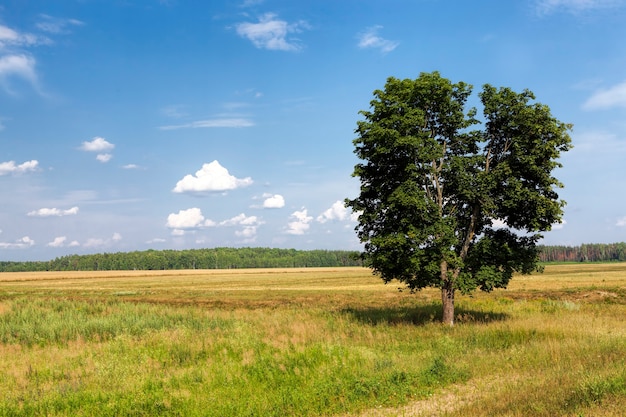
{"x":309,"y":342}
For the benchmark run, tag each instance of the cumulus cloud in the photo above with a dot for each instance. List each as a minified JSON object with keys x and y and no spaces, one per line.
{"x":223,"y":122}
{"x":58,"y":242}
{"x":621,"y":222}
{"x":11,"y":168}
{"x":300,"y":222}
{"x":545,"y":7}
{"x":187,"y":219}
{"x":273,"y":201}
{"x":249,"y":224}
{"x":97,"y":144}
{"x":338,"y":211}
{"x":370,"y":39}
{"x":104,"y":157}
{"x":48,"y":212}
{"x":212,"y":177}
{"x":100,"y":145}
{"x":272,"y":33}
{"x":22,"y":243}
{"x":603,"y":99}
{"x":559,"y":226}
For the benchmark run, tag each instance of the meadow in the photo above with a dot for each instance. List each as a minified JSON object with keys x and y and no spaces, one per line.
{"x":309,"y":342}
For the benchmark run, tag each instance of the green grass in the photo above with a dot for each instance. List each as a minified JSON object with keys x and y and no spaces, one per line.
{"x":309,"y":343}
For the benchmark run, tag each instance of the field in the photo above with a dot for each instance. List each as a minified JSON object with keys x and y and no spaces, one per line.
{"x":309,"y":342}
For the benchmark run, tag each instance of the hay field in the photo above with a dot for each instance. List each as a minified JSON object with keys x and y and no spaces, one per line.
{"x":309,"y":342}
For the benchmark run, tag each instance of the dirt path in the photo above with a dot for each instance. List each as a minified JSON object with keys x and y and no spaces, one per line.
{"x":447,"y":401}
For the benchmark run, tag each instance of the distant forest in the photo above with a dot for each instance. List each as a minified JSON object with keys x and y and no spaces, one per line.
{"x":232,"y":258}
{"x":592,"y":252}
{"x":215,"y":258}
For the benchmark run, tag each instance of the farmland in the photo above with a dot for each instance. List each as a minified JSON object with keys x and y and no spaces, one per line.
{"x":309,"y":342}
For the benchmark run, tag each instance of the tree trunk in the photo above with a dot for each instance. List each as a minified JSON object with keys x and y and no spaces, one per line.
{"x":447,"y":298}
{"x":447,"y":295}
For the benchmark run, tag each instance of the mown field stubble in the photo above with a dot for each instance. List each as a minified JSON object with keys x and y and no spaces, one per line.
{"x":309,"y":342}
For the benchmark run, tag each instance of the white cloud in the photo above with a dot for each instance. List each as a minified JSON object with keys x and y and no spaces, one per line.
{"x":58,"y":242}
{"x":97,"y":242}
{"x":300,"y":224}
{"x":274,"y":201}
{"x":188,"y":219}
{"x":370,"y":39}
{"x":175,"y":111}
{"x":97,"y":144}
{"x":10,"y":167}
{"x":559,"y":226}
{"x":104,"y":157}
{"x":11,"y":37}
{"x":271,"y":33}
{"x":156,"y":240}
{"x":241,"y":219}
{"x":621,"y":222}
{"x":338,"y":211}
{"x":131,"y":166}
{"x":56,"y":25}
{"x":21,"y":66}
{"x":250,"y":225}
{"x":545,"y":7}
{"x":211,"y":177}
{"x":603,"y":99}
{"x":224,"y":122}
{"x":47,"y":212}
{"x":22,"y":243}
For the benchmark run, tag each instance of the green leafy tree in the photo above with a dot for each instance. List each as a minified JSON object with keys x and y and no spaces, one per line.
{"x":445,"y":204}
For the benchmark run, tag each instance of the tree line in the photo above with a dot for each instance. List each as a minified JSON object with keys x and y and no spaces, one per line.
{"x":593,"y":252}
{"x":233,"y":258}
{"x":214,"y":258}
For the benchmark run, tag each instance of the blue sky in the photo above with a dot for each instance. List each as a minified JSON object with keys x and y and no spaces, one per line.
{"x":136,"y":124}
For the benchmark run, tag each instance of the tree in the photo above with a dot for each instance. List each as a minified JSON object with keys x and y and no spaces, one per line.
{"x":443,"y":204}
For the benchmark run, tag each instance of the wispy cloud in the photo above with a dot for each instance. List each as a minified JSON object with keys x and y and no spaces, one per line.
{"x":11,"y":168}
{"x":18,"y":65}
{"x":60,"y":242}
{"x":212,"y":177}
{"x":370,"y":39}
{"x":546,"y":7}
{"x":48,"y":212}
{"x":56,"y":25}
{"x":12,"y":38}
{"x":224,"y":122}
{"x":272,"y":33}
{"x":614,"y":96}
{"x":99,"y":242}
{"x":16,"y":59}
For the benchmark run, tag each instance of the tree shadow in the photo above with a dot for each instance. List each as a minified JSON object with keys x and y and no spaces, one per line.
{"x":420,"y":315}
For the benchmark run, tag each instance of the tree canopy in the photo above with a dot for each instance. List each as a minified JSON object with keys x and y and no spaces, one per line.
{"x":446,"y":204}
